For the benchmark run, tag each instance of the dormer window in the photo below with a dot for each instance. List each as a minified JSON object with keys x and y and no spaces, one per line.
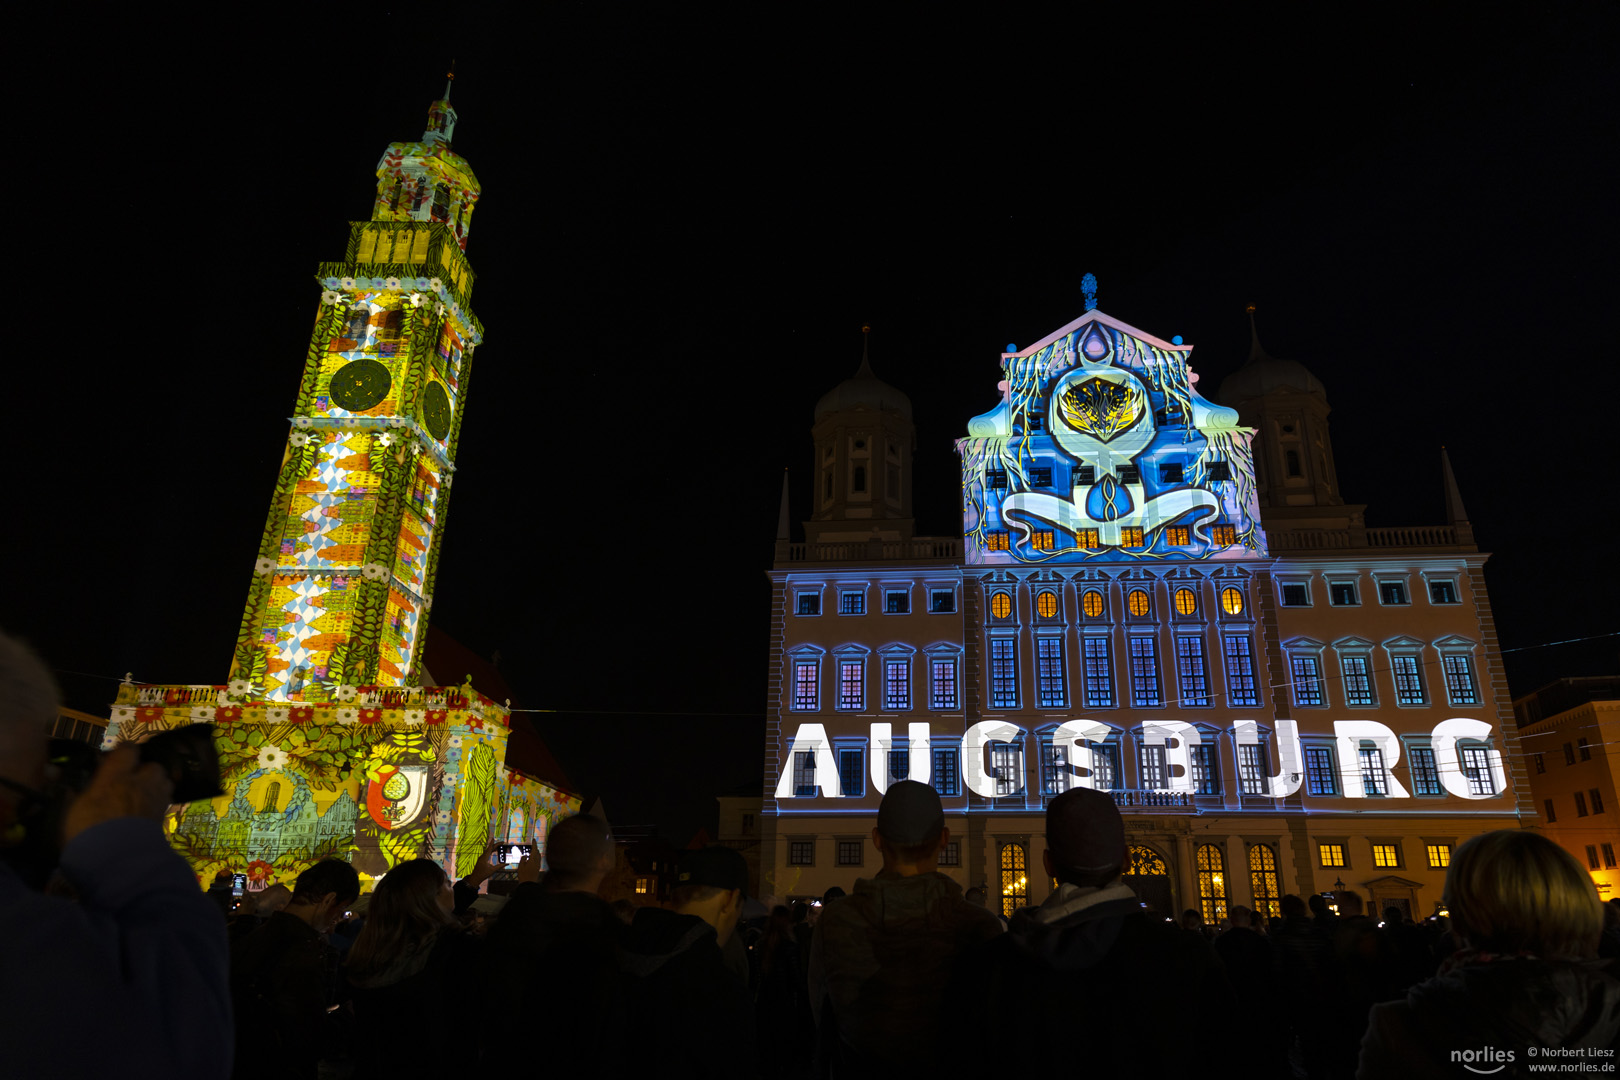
{"x":441,"y":202}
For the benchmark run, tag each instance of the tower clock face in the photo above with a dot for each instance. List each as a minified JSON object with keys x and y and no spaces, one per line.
{"x":360,"y":384}
{"x":436,"y":411}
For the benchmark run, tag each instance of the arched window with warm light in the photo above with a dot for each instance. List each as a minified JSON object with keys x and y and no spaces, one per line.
{"x":1232,"y":601}
{"x":1000,"y":605}
{"x":1145,"y":862}
{"x":1137,"y":602}
{"x":1186,"y":601}
{"x":1263,"y":878}
{"x":1014,"y":879}
{"x":1092,"y":604}
{"x":1211,"y":882}
{"x":1046,"y":604}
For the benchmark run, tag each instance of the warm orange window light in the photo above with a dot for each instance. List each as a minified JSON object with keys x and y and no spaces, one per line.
{"x":1046,"y":604}
{"x":1001,"y":605}
{"x":1232,"y":601}
{"x":1130,"y":536}
{"x":1092,"y":603}
{"x":1178,"y":535}
{"x":1138,"y":602}
{"x":1087,"y":539}
{"x":1223,"y":535}
{"x":1186,"y":601}
{"x":1044,"y":541}
{"x":996,"y":541}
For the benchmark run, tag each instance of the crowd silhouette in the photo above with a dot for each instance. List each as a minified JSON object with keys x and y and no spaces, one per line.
{"x":106,"y":931}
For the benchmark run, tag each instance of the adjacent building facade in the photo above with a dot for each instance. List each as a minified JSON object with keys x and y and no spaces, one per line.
{"x":1570,"y":734}
{"x":1154,"y":594}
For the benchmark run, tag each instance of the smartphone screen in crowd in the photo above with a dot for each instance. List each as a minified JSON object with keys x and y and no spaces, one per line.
{"x":509,"y":855}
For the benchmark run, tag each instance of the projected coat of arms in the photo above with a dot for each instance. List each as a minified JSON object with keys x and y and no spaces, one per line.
{"x":1102,"y":450}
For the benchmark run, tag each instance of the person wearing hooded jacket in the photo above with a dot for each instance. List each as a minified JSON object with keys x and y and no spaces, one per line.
{"x":1112,"y":986}
{"x":1527,"y":977}
{"x":889,"y":956}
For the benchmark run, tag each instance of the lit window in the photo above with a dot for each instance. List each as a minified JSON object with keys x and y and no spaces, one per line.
{"x":1251,"y":769}
{"x":1186,"y":601}
{"x":1425,"y":773}
{"x":805,"y":686}
{"x":1459,"y":671}
{"x":1439,"y":856}
{"x":1342,"y":594}
{"x":942,"y":684}
{"x":1319,"y":772}
{"x":1223,"y":535}
{"x":1099,"y":673}
{"x":1007,"y":767}
{"x":643,"y":886}
{"x":1151,"y":762}
{"x":1145,"y":672}
{"x":1042,"y":540}
{"x":801,"y":853}
{"x":1442,"y":592}
{"x":1263,"y":878}
{"x":1387,"y":856}
{"x":1477,"y":769}
{"x":996,"y":541}
{"x":1054,"y":769}
{"x":1049,"y":682}
{"x":946,"y":771}
{"x":804,"y":774}
{"x":1130,"y":536}
{"x":849,"y":852}
{"x":1373,"y":776}
{"x":1104,"y":767}
{"x":851,"y":684}
{"x":1087,"y":539}
{"x":1358,"y":686}
{"x":809,"y":604}
{"x":1211,"y":882}
{"x":1137,"y":602}
{"x":1205,"y":775}
{"x":1000,"y":605}
{"x":951,"y":853}
{"x":1392,"y":592}
{"x":1296,"y":595}
{"x":1331,"y":854}
{"x":1232,"y":601}
{"x":896,"y":685}
{"x":1408,"y":680}
{"x":1178,"y":536}
{"x":1046,"y":604}
{"x":897,"y":602}
{"x":942,"y":602}
{"x":1192,"y":670}
{"x":1014,"y":879}
{"x":1092,"y":603}
{"x":1003,"y":673}
{"x":1308,"y":690}
{"x":1240,"y":684}
{"x":852,"y":603}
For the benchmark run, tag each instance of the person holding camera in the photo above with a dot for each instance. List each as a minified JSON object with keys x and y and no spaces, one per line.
{"x":141,"y":949}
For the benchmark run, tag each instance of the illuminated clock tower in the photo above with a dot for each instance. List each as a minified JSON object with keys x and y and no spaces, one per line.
{"x":344,"y":577}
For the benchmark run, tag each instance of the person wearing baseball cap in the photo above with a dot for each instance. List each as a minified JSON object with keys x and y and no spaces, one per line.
{"x":679,"y":981}
{"x":1093,"y":950}
{"x":885,"y":958}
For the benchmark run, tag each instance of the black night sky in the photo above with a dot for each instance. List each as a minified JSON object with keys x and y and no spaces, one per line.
{"x":686,"y":220}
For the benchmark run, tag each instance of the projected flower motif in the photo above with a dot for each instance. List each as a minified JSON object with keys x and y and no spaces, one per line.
{"x":415,"y":716}
{"x":391,"y":283}
{"x":452,"y":756}
{"x":399,"y":422}
{"x":347,"y":283}
{"x":202,"y":714}
{"x":347,"y":693}
{"x":455,"y":309}
{"x":348,"y":716}
{"x":373,"y":571}
{"x":275,"y":714}
{"x":442,"y":817}
{"x":123,"y":715}
{"x":301,"y":714}
{"x":330,"y":297}
{"x":454,"y":742}
{"x":362,"y":283}
{"x":299,"y":439}
{"x":303,"y":422}
{"x":273,"y":757}
{"x":332,"y":282}
{"x":435,"y":716}
{"x":259,"y":871}
{"x":385,"y":439}
{"x":427,"y":601}
{"x":227,"y":713}
{"x":241,"y":687}
{"x":416,"y":299}
{"x":370,"y":716}
{"x":435,"y":284}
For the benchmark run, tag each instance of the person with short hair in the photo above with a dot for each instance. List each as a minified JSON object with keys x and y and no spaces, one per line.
{"x":557,"y":929}
{"x":131,"y":976}
{"x":1090,"y":950}
{"x":679,"y":982}
{"x":886,"y":956}
{"x":284,"y":979}
{"x":1526,"y":976}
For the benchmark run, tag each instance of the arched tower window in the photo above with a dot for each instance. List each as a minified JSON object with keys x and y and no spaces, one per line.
{"x":441,"y":202}
{"x":1211,"y":882}
{"x":1263,"y":877}
{"x":396,"y":195}
{"x":1014,"y":878}
{"x":272,"y":796}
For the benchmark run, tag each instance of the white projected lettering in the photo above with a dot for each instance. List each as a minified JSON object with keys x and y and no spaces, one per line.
{"x":1454,"y":772}
{"x":1368,"y":770}
{"x":1178,"y":739}
{"x":1292,"y":774}
{"x":1074,"y":737}
{"x":975,"y":741}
